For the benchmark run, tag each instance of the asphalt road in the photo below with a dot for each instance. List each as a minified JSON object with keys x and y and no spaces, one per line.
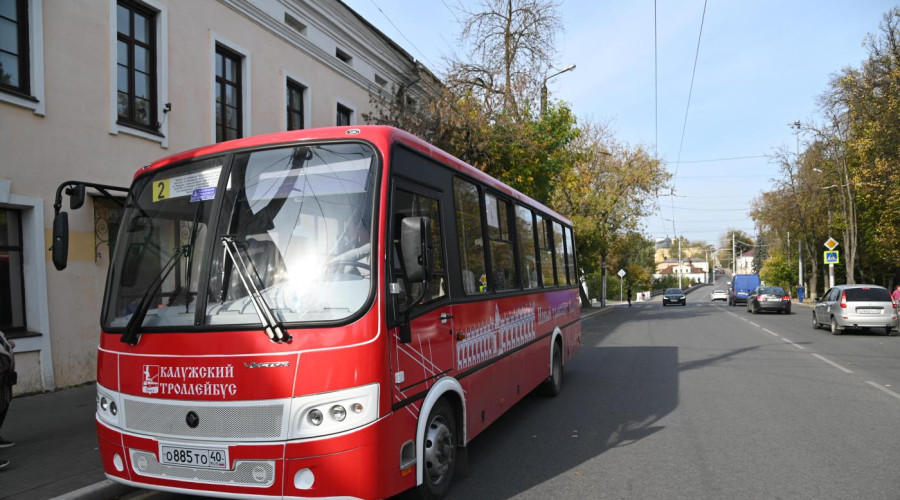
{"x":702,"y":402}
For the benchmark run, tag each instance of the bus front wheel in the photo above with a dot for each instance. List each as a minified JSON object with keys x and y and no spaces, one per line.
{"x":438,"y":451}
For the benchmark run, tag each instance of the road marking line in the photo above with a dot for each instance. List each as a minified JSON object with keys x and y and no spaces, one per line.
{"x":770,"y":331}
{"x":793,"y":344}
{"x":884,"y":389}
{"x":832,"y":363}
{"x":754,"y":324}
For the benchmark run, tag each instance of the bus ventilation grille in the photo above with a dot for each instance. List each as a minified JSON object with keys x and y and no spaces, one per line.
{"x":260,"y":474}
{"x":239,"y":420}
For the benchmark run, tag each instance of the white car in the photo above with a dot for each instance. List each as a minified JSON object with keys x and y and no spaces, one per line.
{"x":718,"y":294}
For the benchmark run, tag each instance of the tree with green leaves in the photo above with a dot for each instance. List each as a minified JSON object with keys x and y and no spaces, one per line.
{"x":606,"y":192}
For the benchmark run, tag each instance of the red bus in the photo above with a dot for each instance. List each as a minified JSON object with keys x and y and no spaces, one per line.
{"x":333,"y":312}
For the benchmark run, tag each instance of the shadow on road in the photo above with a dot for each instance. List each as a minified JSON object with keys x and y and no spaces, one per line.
{"x":609,"y":400}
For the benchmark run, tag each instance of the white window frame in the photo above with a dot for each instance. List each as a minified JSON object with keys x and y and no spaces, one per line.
{"x":35,"y":62}
{"x":34,"y":262}
{"x":307,"y":100}
{"x":162,"y":74}
{"x":215,"y":40}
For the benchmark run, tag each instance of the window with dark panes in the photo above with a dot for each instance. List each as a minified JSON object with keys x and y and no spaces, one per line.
{"x":229,"y":119}
{"x":136,"y":64}
{"x":12,"y":281}
{"x":503,"y":255}
{"x":525,"y":239}
{"x":545,"y":250}
{"x":471,"y":239}
{"x":344,"y":115}
{"x":559,"y":254}
{"x":14,"y":53}
{"x":571,"y":275}
{"x":295,"y":105}
{"x":408,"y":204}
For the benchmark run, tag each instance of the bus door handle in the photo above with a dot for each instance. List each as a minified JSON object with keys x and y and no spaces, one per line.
{"x":445,"y":317}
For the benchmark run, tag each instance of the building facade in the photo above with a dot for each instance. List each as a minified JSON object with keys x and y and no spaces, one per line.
{"x":690,"y":270}
{"x":94,"y":90}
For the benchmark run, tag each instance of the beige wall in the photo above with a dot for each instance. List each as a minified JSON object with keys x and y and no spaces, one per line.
{"x":75,"y":136}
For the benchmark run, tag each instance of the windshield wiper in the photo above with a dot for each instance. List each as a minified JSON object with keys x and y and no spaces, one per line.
{"x":132,"y":334}
{"x":190,"y":264}
{"x":270,"y":323}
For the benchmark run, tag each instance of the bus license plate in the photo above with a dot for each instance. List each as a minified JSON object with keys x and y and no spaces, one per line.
{"x":189,"y":456}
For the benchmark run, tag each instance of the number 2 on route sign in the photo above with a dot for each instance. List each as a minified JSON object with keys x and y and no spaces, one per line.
{"x":160,"y":190}
{"x":832,"y":257}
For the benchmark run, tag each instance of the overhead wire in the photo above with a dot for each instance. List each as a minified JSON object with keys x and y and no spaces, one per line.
{"x":401,"y":33}
{"x":688,"y":108}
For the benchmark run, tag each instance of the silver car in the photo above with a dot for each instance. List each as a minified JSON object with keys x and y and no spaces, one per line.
{"x":858,"y":307}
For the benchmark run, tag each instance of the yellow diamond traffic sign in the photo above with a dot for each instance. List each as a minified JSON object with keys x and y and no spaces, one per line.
{"x":831,"y":243}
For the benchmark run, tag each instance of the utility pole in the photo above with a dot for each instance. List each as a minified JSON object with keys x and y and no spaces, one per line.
{"x":733,"y":257}
{"x":679,"y":262}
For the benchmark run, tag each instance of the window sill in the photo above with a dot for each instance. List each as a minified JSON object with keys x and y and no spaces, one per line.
{"x":21,"y":334}
{"x":144,"y":133}
{"x":22,"y":100}
{"x":139,"y":128}
{"x":19,"y":94}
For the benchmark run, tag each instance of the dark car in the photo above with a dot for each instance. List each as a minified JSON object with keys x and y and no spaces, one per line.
{"x":769,"y":298}
{"x":674,"y":296}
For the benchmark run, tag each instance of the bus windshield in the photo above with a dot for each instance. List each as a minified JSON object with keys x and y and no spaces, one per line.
{"x":299,"y":218}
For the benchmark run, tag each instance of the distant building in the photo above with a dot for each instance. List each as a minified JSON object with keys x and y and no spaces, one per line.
{"x":744,"y":262}
{"x":95,"y":90}
{"x":691,"y":270}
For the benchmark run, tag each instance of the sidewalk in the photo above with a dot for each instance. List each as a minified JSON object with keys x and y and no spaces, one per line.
{"x":56,"y":445}
{"x":55,"y":455}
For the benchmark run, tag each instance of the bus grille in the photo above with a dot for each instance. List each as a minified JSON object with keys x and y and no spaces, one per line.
{"x":256,"y":473}
{"x":243,"y":420}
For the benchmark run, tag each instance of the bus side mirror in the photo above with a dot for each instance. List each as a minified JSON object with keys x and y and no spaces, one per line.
{"x":76,"y":196}
{"x":415,"y":243}
{"x":60,"y":247}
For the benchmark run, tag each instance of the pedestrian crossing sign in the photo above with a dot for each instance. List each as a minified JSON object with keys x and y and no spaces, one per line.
{"x":831,"y":257}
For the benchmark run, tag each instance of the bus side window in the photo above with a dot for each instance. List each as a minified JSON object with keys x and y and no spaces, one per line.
{"x":559,"y":253}
{"x":545,"y":250}
{"x":503,"y":258}
{"x":527,"y":249}
{"x":470,"y":236}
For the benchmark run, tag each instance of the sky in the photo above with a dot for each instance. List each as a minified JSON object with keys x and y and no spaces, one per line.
{"x":760,"y":66}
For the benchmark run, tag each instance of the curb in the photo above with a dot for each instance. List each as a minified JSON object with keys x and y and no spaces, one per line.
{"x":599,"y":310}
{"x":102,"y":490}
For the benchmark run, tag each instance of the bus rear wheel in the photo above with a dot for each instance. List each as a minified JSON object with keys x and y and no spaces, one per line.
{"x":553,"y":385}
{"x":438,"y":452}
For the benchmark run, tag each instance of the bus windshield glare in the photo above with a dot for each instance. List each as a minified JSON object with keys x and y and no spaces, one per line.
{"x":300,"y":218}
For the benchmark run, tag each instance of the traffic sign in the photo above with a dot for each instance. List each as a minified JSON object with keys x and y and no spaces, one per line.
{"x":621,"y":273}
{"x":832,"y":257}
{"x":831,"y":244}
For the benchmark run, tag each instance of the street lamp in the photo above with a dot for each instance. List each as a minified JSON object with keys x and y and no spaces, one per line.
{"x":544,"y":87}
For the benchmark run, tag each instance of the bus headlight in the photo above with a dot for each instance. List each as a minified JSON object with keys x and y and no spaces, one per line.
{"x":107,"y":406}
{"x":338,"y":413}
{"x":323,"y":414}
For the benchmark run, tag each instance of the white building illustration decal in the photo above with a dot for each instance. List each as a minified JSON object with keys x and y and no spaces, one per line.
{"x":495,"y":336}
